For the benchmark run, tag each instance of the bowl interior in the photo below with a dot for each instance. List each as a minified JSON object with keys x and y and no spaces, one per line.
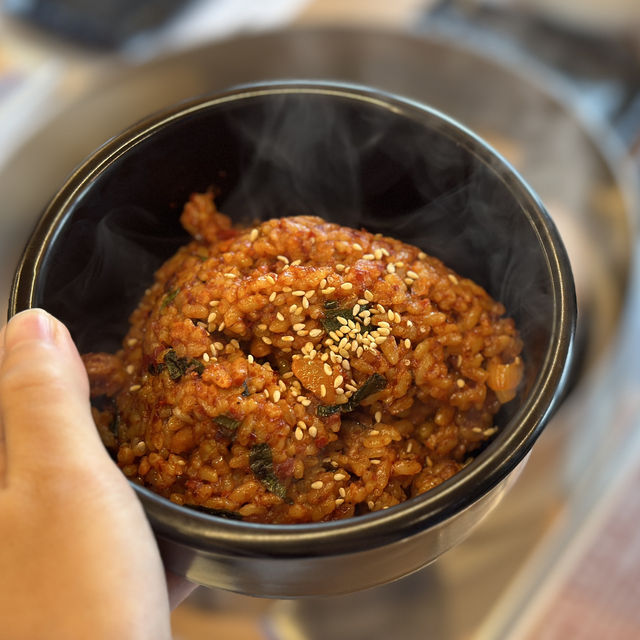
{"x":349,"y":156}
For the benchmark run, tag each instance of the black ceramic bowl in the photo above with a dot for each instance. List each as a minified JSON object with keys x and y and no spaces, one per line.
{"x":357,"y":157}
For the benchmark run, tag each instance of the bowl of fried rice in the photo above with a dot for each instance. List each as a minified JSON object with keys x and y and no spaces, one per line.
{"x":323,"y":327}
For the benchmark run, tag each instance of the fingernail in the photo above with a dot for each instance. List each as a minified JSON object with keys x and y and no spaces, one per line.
{"x":32,"y":324}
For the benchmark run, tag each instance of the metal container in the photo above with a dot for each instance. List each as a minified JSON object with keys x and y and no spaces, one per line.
{"x":352,"y":155}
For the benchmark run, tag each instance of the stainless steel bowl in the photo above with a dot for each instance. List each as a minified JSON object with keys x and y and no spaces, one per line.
{"x":349,"y":154}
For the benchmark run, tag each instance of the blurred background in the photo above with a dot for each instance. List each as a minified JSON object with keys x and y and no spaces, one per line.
{"x":555,"y":87}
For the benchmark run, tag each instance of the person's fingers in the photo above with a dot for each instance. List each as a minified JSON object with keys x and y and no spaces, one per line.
{"x":44,"y":396}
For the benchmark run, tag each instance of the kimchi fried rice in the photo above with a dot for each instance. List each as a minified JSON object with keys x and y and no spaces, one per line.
{"x":300,"y":371}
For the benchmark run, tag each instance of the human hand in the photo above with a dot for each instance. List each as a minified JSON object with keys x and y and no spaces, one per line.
{"x":78,"y":558}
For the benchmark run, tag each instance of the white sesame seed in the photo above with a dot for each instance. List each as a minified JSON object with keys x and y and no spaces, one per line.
{"x":221,"y":326}
{"x":356,"y":310}
{"x":135,"y":387}
{"x":297,"y":293}
{"x":214,"y":303}
{"x":262,"y":327}
{"x":368,"y":256}
{"x":328,"y":290}
{"x":374,"y":461}
{"x":219,"y":346}
{"x":288,"y":338}
{"x":378,"y":254}
{"x":253,"y":235}
{"x":130,"y":369}
{"x":287,"y":289}
{"x":342,"y":491}
{"x":305,"y":303}
{"x":272,"y":297}
{"x":340,"y":267}
{"x":314,"y":333}
{"x":288,"y":374}
{"x":391,"y":268}
{"x":211,"y":317}
{"x":267,"y":340}
{"x":460,"y":382}
{"x":327,"y":369}
{"x":276,"y":395}
{"x":339,"y":476}
{"x":309,"y":294}
{"x":313,"y":431}
{"x":318,"y":484}
{"x":279,"y":316}
{"x":413,"y":275}
{"x":390,"y":315}
{"x":409,"y":447}
{"x":283,"y":259}
{"x":409,"y":323}
{"x":341,"y":320}
{"x":422,"y":255}
{"x":323,"y":283}
{"x":453,"y":278}
{"x":339,"y":501}
{"x":298,"y":434}
{"x":338,"y":381}
{"x":378,"y":416}
{"x":205,"y":356}
{"x":305,"y":402}
{"x":295,"y":263}
{"x":347,"y":286}
{"x":271,"y":279}
{"x":345,"y":364}
{"x":407,"y":343}
{"x":323,"y":391}
{"x":374,"y":432}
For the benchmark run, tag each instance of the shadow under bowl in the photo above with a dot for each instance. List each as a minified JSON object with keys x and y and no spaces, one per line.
{"x":350,"y":155}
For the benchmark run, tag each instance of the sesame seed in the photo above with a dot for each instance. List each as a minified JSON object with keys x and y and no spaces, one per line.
{"x":295,"y":263}
{"x":384,"y":324}
{"x":341,"y":320}
{"x":205,"y":356}
{"x":489,"y":432}
{"x":272,"y":297}
{"x":298,"y":293}
{"x":212,"y":348}
{"x":318,"y":484}
{"x":334,"y":464}
{"x":279,"y":316}
{"x":305,"y":402}
{"x":271,"y":279}
{"x":413,"y":275}
{"x":276,"y":395}
{"x":338,"y":381}
{"x":132,"y":341}
{"x":327,"y":369}
{"x":334,"y":335}
{"x":342,"y":491}
{"x":313,"y":431}
{"x":288,"y":338}
{"x":344,"y":353}
{"x":283,"y":259}
{"x":309,"y":294}
{"x":328,"y":290}
{"x":298,"y":434}
{"x":378,"y":254}
{"x":287,"y":289}
{"x":253,"y":235}
{"x":374,"y":461}
{"x":460,"y":382}
{"x":314,"y":333}
{"x":323,"y":391}
{"x":323,"y":283}
{"x":356,"y":309}
{"x":229,"y":275}
{"x":407,"y":343}
{"x":429,"y":461}
{"x":409,"y":447}
{"x":408,"y":281}
{"x":367,"y":321}
{"x":305,"y":303}
{"x":422,"y":255}
{"x":267,"y":340}
{"x":214,"y":303}
{"x":391,"y":268}
{"x":368,"y":256}
{"x":347,"y":286}
{"x":288,"y":374}
{"x":298,"y":326}
{"x":400,"y":264}
{"x":219,"y":346}
{"x":453,"y":278}
{"x":302,"y":424}
{"x":221,"y":326}
{"x":390,"y":315}
{"x":345,"y":364}
{"x":130,"y":369}
{"x":135,"y":387}
{"x":359,"y":352}
{"x":378,"y":416}
{"x":385,"y":252}
{"x":340,"y":267}
{"x":357,"y":246}
{"x":339,"y":501}
{"x":262,"y":327}
{"x":212,"y":317}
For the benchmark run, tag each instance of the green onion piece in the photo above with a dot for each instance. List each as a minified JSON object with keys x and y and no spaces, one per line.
{"x":261,"y":463}
{"x":169,"y":298}
{"x":373,"y":384}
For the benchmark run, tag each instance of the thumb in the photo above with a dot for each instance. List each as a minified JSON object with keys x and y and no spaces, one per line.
{"x":44,"y":396}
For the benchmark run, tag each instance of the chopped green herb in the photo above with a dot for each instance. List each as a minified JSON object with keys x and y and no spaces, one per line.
{"x":372,"y":385}
{"x":177,"y":367}
{"x":221,"y":513}
{"x":332,"y":311}
{"x":261,"y":463}
{"x":156,"y":368}
{"x":115,"y":423}
{"x":245,"y":389}
{"x":170,"y":297}
{"x":227,"y":423}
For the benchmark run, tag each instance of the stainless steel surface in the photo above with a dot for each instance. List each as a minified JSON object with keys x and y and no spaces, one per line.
{"x":573,"y":164}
